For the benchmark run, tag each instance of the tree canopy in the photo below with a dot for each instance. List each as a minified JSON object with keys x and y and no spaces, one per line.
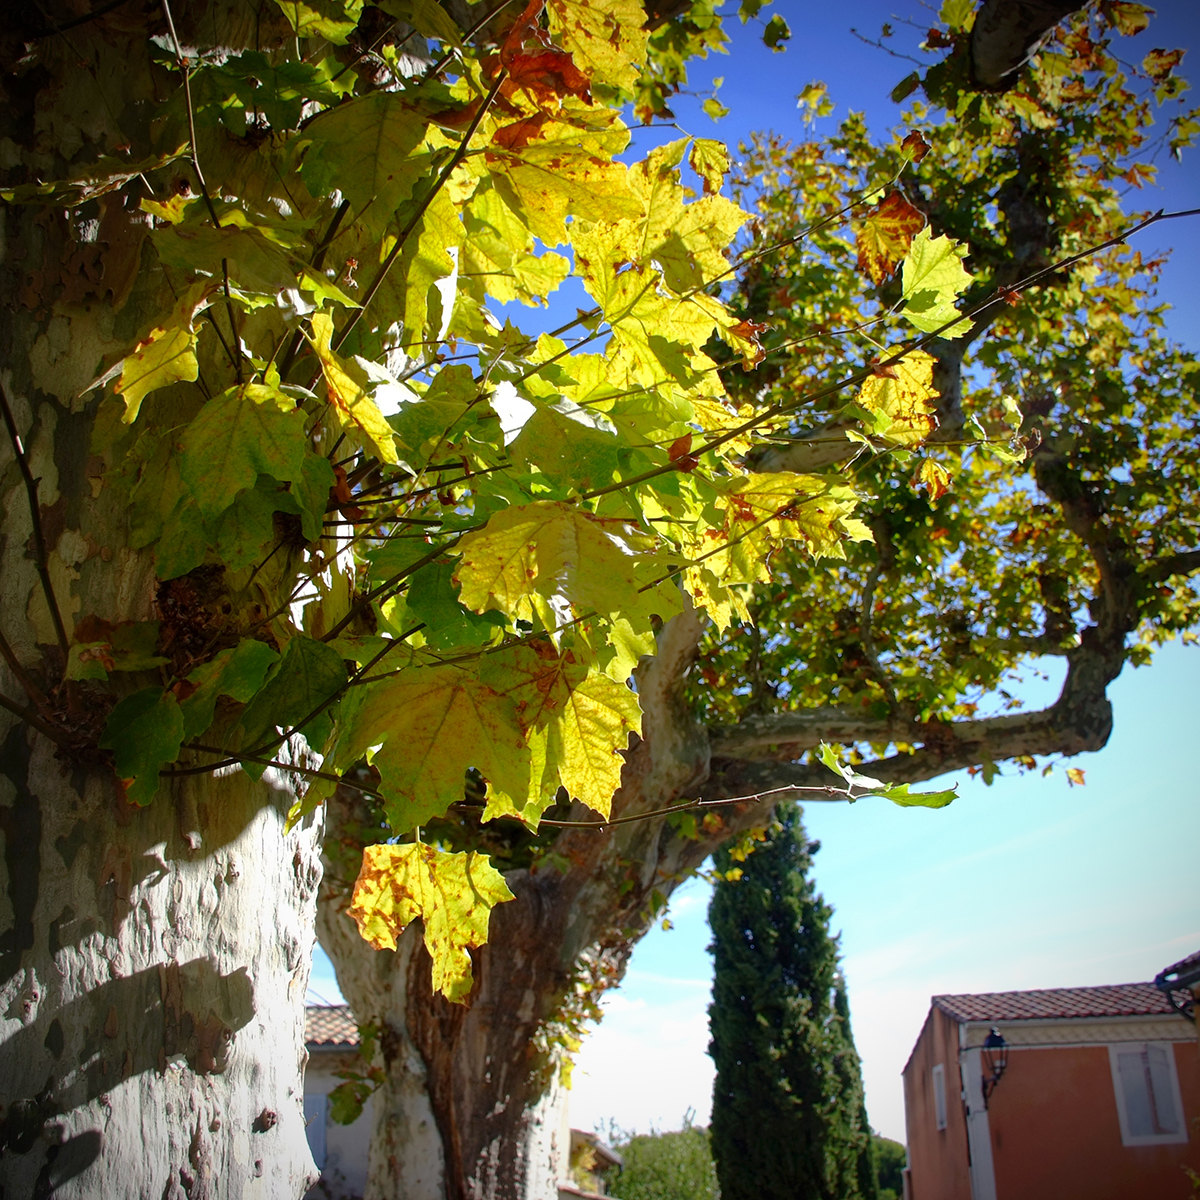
{"x":847,"y":433}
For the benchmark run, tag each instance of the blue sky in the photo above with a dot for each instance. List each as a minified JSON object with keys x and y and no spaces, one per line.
{"x":1028,"y":883}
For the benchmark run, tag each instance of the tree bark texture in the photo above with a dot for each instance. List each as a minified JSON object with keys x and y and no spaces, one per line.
{"x":153,"y":962}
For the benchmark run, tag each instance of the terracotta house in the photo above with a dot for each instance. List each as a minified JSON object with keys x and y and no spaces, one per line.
{"x":1094,"y":1093}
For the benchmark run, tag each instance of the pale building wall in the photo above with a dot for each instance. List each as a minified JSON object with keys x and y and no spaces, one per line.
{"x":339,"y":1150}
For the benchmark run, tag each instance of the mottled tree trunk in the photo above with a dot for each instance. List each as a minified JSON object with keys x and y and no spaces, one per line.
{"x":153,"y":962}
{"x":151,"y":985}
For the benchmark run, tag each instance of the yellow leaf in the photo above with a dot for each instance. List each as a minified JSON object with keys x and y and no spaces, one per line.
{"x":933,"y":477}
{"x":1075,"y":776}
{"x":587,"y":739}
{"x":166,"y":356}
{"x":453,"y":894}
{"x":434,"y":723}
{"x":567,"y":169}
{"x":710,"y":160}
{"x":899,"y":400}
{"x":172,"y":210}
{"x":347,"y":393}
{"x":545,"y":549}
{"x":606,"y":38}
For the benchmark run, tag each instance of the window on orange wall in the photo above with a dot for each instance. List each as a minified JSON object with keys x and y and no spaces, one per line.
{"x":1146,"y":1087}
{"x":939,"y":1095}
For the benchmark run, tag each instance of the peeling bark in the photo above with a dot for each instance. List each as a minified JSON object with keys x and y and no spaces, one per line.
{"x":153,"y":962}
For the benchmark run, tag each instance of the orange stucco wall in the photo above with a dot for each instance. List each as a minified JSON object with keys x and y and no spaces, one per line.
{"x":1054,"y":1126}
{"x":937,"y":1158}
{"x":1055,"y":1131}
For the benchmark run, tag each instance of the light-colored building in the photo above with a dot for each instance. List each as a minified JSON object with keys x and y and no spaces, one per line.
{"x":1095,"y":1092}
{"x":340,"y":1151}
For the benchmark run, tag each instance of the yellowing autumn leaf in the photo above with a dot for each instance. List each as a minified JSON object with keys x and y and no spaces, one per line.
{"x":453,"y":894}
{"x":347,"y":393}
{"x":933,"y":477}
{"x":166,"y":356}
{"x":545,"y":549}
{"x":885,"y":236}
{"x":249,"y":431}
{"x":933,"y":278}
{"x":577,"y":721}
{"x":710,"y":160}
{"x":1075,"y":776}
{"x":586,"y":739}
{"x":434,"y":723}
{"x":606,"y":38}
{"x":899,"y":398}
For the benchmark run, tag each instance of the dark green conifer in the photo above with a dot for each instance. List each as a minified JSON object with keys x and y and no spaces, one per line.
{"x":788,"y":1117}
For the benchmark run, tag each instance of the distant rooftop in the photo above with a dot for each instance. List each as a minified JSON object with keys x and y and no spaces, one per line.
{"x":330,"y":1025}
{"x":1113,"y":1000}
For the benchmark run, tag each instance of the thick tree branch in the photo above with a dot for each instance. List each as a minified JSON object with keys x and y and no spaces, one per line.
{"x":1185,"y":563}
{"x":1007,"y":32}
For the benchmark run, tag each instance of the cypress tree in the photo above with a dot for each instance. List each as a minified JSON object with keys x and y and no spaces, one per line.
{"x":788,"y":1117}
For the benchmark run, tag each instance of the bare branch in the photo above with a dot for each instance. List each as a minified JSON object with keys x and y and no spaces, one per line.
{"x":34,"y":721}
{"x":39,"y":538}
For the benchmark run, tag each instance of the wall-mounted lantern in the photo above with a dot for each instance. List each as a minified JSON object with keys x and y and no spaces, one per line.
{"x":995,"y":1061}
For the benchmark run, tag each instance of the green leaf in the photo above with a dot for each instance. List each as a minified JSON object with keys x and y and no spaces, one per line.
{"x":933,"y":279}
{"x":144,"y":732}
{"x":906,"y":87}
{"x":237,"y":673}
{"x":433,"y":599}
{"x":309,"y":674}
{"x":776,"y":33}
{"x":249,"y":431}
{"x":898,"y":793}
{"x":453,"y":894}
{"x":958,"y":14}
{"x":570,"y":453}
{"x":366,"y":148}
{"x":347,"y":1099}
{"x":332,"y":20}
{"x":427,"y":17}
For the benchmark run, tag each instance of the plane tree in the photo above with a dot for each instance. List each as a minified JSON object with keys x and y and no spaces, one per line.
{"x":1028,"y":476}
{"x":287,"y":504}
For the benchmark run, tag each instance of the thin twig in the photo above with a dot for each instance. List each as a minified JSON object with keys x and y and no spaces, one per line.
{"x":254,"y":754}
{"x":317,"y":262}
{"x":999,"y":296}
{"x":34,"y":721}
{"x":234,"y":355}
{"x":23,"y":677}
{"x":39,"y":538}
